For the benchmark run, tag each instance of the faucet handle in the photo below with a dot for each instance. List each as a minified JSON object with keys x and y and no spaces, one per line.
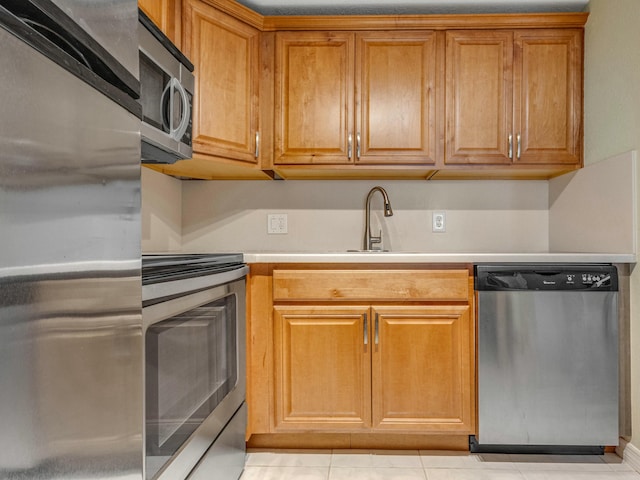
{"x":376,"y":240}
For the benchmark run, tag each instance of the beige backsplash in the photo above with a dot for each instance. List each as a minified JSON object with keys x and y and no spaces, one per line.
{"x":481,"y":216}
{"x":161,"y":212}
{"x":588,"y":211}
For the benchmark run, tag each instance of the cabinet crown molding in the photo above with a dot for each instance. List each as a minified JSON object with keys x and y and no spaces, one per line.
{"x":400,"y":22}
{"x":239,"y":11}
{"x":425,"y":22}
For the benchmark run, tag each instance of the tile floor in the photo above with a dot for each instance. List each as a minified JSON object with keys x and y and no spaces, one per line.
{"x":430,"y":465}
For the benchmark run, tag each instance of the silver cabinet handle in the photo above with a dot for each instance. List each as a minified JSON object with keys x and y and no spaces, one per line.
{"x":511,"y":146}
{"x":349,"y":146}
{"x":376,"y":338}
{"x":366,"y":331}
{"x":518,"y":147}
{"x":257,"y":152}
{"x":358,"y":145}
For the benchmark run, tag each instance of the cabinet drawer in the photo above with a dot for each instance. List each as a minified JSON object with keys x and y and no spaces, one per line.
{"x":373,"y":285}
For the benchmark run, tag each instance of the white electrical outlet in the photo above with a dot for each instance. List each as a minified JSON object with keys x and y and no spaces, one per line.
{"x":438,"y":222}
{"x":277,"y":223}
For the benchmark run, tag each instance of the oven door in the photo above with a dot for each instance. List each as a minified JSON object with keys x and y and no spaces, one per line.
{"x":194,"y":375}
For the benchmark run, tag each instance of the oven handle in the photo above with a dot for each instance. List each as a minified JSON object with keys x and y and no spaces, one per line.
{"x":170,"y":307}
{"x":156,"y":291}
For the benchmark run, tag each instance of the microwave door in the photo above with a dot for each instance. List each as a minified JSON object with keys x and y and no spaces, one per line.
{"x":165,"y":86}
{"x":156,"y":92}
{"x":153,"y":82}
{"x":167,"y":124}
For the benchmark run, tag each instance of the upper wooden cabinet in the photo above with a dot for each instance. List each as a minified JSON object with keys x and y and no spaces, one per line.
{"x":222,"y":42}
{"x":549,"y":94}
{"x":166,"y":14}
{"x":514,"y":97}
{"x":314,"y":97}
{"x":225,"y":53}
{"x":417,"y":96}
{"x":479,"y":96}
{"x":355,"y":98}
{"x":395,"y":90}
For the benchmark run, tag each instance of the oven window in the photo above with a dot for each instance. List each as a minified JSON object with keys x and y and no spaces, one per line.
{"x":191,"y":366}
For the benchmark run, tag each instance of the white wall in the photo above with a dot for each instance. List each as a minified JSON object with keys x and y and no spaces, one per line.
{"x":593,"y":209}
{"x":612,"y":79}
{"x":612,"y":122}
{"x":481,"y":216}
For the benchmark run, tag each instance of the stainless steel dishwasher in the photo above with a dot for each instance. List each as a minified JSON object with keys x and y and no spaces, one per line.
{"x":547,"y":358}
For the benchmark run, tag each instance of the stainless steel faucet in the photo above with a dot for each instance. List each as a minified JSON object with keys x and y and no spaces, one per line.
{"x":370,"y":240}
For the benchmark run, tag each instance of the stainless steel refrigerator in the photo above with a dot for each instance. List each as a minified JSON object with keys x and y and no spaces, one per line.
{"x":70,"y":289}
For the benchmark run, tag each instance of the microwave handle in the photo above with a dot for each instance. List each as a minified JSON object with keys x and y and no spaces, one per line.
{"x":178,"y":132}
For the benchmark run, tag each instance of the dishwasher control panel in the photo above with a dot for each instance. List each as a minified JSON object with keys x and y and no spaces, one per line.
{"x":546,"y":277}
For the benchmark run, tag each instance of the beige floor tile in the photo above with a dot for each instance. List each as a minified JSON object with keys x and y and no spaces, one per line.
{"x":285,"y":473}
{"x":494,"y":457}
{"x":616,"y":463}
{"x":445,"y":459}
{"x":557,"y":458}
{"x":376,"y":473}
{"x":293,"y":458}
{"x":430,"y":465}
{"x":472,"y":474}
{"x":574,"y":475}
{"x":573,"y":463}
{"x":376,"y":459}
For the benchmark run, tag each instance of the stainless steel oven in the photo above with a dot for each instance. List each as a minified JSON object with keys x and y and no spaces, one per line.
{"x":195,"y":368}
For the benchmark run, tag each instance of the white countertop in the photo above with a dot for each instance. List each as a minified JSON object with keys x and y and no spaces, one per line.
{"x":421,"y":257}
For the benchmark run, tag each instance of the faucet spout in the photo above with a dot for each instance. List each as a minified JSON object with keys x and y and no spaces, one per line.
{"x":369,"y":239}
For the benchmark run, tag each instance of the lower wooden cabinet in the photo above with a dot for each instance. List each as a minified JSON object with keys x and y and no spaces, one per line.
{"x":362,"y":351}
{"x":421,"y":368}
{"x":384,"y":368}
{"x":323,"y":368}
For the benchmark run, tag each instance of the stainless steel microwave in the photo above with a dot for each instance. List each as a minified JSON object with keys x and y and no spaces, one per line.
{"x":166,"y":96}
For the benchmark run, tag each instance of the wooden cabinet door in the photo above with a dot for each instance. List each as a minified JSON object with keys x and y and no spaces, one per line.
{"x":548,"y":96}
{"x":479,"y":97}
{"x":314,"y":98}
{"x":225,"y":53}
{"x":166,"y":14}
{"x":322,"y":368}
{"x":395,"y":90}
{"x":422,"y":369}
